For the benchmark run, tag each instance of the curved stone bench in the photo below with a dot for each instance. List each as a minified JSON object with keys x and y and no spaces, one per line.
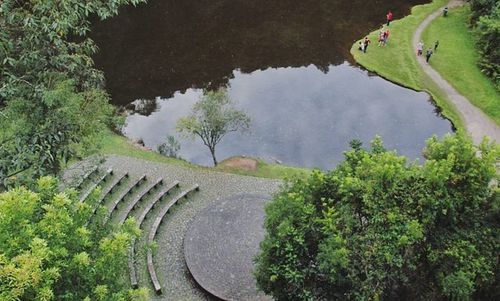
{"x":108,"y":172}
{"x":158,"y":197}
{"x":131,"y":262}
{"x":120,"y":198}
{"x":154,"y":229}
{"x":86,"y":176}
{"x":106,"y":192}
{"x":139,"y":198}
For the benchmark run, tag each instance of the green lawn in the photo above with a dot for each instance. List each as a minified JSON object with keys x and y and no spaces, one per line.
{"x":456,"y":60}
{"x":397,"y":61}
{"x":119,"y":145}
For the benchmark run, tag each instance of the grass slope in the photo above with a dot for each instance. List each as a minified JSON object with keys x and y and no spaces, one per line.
{"x":456,"y":60}
{"x":397,"y":61}
{"x":119,"y":145}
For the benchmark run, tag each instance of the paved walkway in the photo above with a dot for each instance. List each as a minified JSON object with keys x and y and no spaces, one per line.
{"x":476,"y":122}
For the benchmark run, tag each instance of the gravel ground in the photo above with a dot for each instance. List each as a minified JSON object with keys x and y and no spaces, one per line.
{"x":177,"y":283}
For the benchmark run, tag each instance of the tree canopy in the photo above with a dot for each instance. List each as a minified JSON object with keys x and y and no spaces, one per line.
{"x":52,"y":103}
{"x":212,"y":117}
{"x":380,"y":228}
{"x":48,"y":251}
{"x":485,"y":18}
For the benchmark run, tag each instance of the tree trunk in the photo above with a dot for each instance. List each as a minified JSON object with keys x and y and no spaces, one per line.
{"x":212,"y":151}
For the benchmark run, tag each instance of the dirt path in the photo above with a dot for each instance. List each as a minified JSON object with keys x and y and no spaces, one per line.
{"x":476,"y":122}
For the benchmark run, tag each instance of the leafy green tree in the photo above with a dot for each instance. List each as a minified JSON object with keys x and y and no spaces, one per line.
{"x":46,"y":76}
{"x":481,"y":8}
{"x":212,"y":117}
{"x":49,"y":252}
{"x":485,"y":19}
{"x":64,"y":125}
{"x":488,"y":41}
{"x":42,"y":38}
{"x":380,"y":228}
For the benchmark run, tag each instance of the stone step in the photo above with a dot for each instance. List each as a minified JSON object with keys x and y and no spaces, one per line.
{"x":100,"y":181}
{"x":159,"y":198}
{"x":154,"y":229}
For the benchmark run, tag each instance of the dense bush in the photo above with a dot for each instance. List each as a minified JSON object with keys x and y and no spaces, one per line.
{"x":481,"y":8}
{"x":485,"y":19}
{"x":48,"y":252}
{"x":380,"y":228}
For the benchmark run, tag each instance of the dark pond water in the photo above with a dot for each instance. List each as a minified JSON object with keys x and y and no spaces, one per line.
{"x":287,"y":63}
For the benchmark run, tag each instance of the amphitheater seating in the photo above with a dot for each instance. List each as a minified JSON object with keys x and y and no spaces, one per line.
{"x":103,"y":177}
{"x":139,"y":198}
{"x":154,"y":229}
{"x":159,"y":196}
{"x":109,"y":190}
{"x":86,"y":176}
{"x":120,"y":198}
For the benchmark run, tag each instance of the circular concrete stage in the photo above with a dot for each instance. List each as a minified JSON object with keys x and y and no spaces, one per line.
{"x":221,"y":243}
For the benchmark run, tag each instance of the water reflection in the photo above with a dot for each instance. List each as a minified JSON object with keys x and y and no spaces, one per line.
{"x":304,"y":117}
{"x":167,"y":46}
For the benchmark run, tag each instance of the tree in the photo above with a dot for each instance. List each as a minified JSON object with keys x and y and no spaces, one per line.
{"x":212,"y":117}
{"x":481,"y":8}
{"x":66,"y":124}
{"x":379,"y":228}
{"x":485,"y":19}
{"x":48,"y":252}
{"x":46,"y":76}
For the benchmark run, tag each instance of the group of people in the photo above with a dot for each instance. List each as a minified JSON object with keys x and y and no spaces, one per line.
{"x":428,"y":52}
{"x":382,"y":38}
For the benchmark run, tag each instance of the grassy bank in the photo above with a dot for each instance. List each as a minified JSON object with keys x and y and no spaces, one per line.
{"x":397,"y":61}
{"x":119,"y":145}
{"x":456,"y":60}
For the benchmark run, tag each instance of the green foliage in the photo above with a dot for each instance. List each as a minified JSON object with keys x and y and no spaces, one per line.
{"x":485,"y":17}
{"x":212,"y":117}
{"x":65,"y":124}
{"x":48,"y":252}
{"x":481,"y":8}
{"x":170,"y":148}
{"x":46,"y":76}
{"x":380,"y":228}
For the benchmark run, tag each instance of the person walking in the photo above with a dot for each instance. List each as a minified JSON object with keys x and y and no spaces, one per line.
{"x":386,"y":37}
{"x":366,"y":43}
{"x":436,"y":45}
{"x":389,"y":17}
{"x":428,"y":54}
{"x":381,"y":36}
{"x":420,"y":48}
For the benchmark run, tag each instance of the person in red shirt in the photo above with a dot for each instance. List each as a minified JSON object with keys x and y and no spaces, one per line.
{"x":389,"y":18}
{"x":386,"y":37}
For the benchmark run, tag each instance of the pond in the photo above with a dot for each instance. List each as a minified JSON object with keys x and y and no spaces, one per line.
{"x":286,"y":63}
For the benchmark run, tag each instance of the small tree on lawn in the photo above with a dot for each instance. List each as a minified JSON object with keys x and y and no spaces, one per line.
{"x":212,"y":117}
